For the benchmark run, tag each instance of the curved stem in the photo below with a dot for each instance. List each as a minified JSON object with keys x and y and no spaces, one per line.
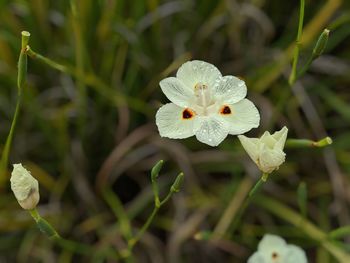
{"x":132,"y":242}
{"x":157,"y":205}
{"x":233,"y":211}
{"x":293,"y":73}
{"x":6,"y":151}
{"x":21,"y":79}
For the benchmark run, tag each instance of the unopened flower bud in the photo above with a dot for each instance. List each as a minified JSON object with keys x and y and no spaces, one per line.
{"x":321,"y":43}
{"x":178,"y":182}
{"x":266,"y":151}
{"x":156,"y":169}
{"x":25,"y":187}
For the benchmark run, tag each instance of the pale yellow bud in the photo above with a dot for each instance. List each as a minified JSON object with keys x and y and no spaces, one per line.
{"x":266,"y":151}
{"x":25,"y":187}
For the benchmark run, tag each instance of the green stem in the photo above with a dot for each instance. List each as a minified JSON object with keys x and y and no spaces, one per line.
{"x":116,"y":97}
{"x":256,"y":187}
{"x":65,"y":69}
{"x":6,"y":151}
{"x":306,"y":67}
{"x":21,"y":80}
{"x":316,"y":52}
{"x":132,"y":242}
{"x":252,"y":193}
{"x":44,"y":226}
{"x":293,"y":73}
{"x":175,"y":187}
{"x":305,"y":143}
{"x":166,"y":199}
{"x":70,"y":245}
{"x":79,"y":58}
{"x":119,"y":211}
{"x":35,"y":214}
{"x":339,"y":232}
{"x":289,"y":215}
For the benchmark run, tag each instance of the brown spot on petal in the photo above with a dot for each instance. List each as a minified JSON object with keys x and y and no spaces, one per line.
{"x":274,"y":255}
{"x":225,"y":110}
{"x":187,"y":114}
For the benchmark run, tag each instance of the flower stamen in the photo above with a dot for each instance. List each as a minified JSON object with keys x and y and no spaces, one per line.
{"x":203,"y":96}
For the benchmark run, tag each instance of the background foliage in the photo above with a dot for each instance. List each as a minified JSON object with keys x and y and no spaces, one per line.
{"x":91,"y":129}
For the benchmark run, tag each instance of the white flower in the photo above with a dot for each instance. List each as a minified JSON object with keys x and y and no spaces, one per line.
{"x":267,"y":151}
{"x":25,"y":187}
{"x":205,"y":104}
{"x":274,"y":249}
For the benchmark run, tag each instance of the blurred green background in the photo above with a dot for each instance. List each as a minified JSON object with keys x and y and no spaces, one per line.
{"x":91,"y":129}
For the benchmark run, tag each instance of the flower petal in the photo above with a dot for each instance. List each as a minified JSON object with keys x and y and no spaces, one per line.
{"x":177,"y":92}
{"x":210,"y":130}
{"x":270,"y":160}
{"x":195,"y":71}
{"x":243,"y":117}
{"x":268,"y":140}
{"x":271,"y":242}
{"x":271,"y":247}
{"x":280,"y":137}
{"x":250,"y":145}
{"x":171,"y":124}
{"x":295,"y":254}
{"x":22,"y":182}
{"x":230,"y":89}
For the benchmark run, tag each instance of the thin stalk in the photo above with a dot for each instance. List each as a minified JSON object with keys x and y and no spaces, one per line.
{"x":116,"y":97}
{"x":157,"y":205}
{"x":44,"y":226}
{"x":232,"y":208}
{"x":233,"y":212}
{"x":132,"y":242}
{"x":79,"y":59}
{"x":70,"y":245}
{"x":305,"y":143}
{"x":292,"y":76}
{"x":252,"y":193}
{"x":166,"y":199}
{"x":310,"y":31}
{"x":21,"y":80}
{"x":119,"y":211}
{"x":305,"y":68}
{"x":318,"y":50}
{"x":256,"y":187}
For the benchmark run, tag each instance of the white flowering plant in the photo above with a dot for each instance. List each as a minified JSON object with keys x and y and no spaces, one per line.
{"x":145,"y":76}
{"x":205,"y":104}
{"x":274,"y":249}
